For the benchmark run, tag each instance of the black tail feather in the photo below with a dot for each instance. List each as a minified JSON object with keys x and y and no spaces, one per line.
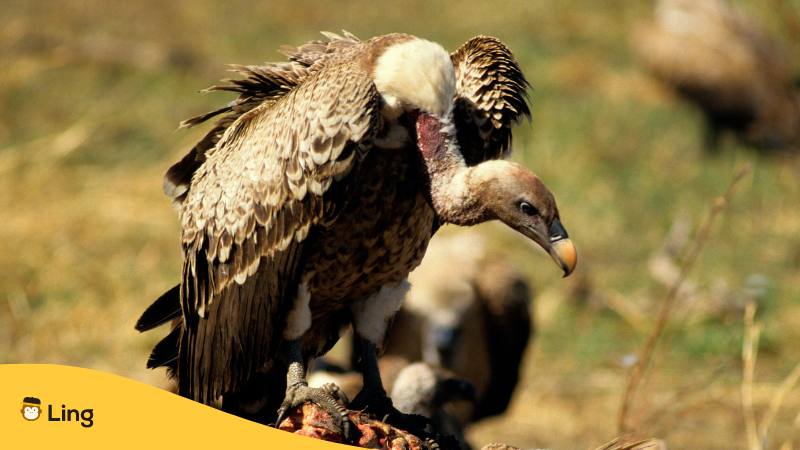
{"x":164,"y":309}
{"x":165,"y":353}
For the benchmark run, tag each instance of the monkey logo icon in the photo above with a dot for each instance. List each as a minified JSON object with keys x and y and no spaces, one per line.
{"x":31,"y":408}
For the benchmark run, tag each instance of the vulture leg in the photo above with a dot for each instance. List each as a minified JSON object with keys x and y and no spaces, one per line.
{"x":373,"y":397}
{"x":371,"y":317}
{"x":328,"y":397}
{"x":298,"y":391}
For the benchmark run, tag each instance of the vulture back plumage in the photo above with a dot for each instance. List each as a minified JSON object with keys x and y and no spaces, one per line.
{"x":259,"y":84}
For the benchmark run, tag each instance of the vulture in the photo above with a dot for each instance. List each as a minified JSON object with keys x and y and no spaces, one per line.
{"x":720,"y":60}
{"x":309,"y":201}
{"x":472,"y":318}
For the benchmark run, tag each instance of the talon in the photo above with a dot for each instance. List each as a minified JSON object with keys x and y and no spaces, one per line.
{"x":336,"y":392}
{"x":346,"y":431}
{"x":288,"y":403}
{"x":328,"y":398}
{"x":281,"y":417}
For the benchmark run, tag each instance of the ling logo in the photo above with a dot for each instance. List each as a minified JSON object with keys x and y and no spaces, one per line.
{"x":32,"y":409}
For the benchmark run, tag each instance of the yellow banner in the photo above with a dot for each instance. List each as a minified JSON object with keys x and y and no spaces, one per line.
{"x":62,"y":407}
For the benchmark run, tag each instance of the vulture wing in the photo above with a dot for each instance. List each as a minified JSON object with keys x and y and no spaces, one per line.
{"x":272,"y":176}
{"x":259,"y":84}
{"x":491,"y":95}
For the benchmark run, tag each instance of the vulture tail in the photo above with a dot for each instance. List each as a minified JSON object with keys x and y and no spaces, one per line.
{"x":164,"y":309}
{"x":165,"y":353}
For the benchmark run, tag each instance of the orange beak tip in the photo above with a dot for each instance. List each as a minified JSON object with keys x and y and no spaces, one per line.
{"x":566,"y":255}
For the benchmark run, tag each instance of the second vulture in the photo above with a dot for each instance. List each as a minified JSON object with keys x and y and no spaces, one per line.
{"x":716,"y":57}
{"x":306,"y":206}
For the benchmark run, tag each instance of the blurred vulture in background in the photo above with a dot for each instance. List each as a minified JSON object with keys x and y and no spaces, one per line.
{"x":719,"y":59}
{"x":467,"y":311}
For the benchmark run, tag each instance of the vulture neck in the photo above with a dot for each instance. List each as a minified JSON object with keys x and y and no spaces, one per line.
{"x":456,"y":191}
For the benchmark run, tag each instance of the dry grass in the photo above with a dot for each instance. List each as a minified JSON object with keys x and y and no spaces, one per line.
{"x":687,"y":264}
{"x":91,"y":100}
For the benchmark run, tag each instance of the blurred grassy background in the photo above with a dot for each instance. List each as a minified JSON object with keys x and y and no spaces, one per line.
{"x":91,"y":93}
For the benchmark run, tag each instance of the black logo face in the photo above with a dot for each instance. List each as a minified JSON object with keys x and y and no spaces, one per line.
{"x":31,"y":408}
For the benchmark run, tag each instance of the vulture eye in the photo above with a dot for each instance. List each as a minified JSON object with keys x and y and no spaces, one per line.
{"x":528,"y":209}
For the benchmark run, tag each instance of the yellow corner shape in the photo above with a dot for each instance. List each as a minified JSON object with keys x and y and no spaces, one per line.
{"x":88,"y":409}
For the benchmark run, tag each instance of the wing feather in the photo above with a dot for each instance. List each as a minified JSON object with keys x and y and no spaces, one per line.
{"x":259,"y":84}
{"x":276,"y":172}
{"x":491,"y":97}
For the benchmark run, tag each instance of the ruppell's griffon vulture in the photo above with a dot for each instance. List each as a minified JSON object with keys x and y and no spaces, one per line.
{"x":308,"y":203}
{"x":722,"y":61}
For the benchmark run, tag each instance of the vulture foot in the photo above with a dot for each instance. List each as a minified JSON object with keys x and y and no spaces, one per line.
{"x":379,"y":405}
{"x":328,"y":397}
{"x":373,"y":399}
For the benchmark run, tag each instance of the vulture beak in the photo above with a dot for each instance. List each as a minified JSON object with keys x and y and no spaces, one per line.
{"x":556,"y":242}
{"x":561,"y":248}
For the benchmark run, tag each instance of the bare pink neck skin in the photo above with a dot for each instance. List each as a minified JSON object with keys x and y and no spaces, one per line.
{"x":456,"y":196}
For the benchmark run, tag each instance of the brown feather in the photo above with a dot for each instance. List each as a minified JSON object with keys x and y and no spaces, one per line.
{"x":491,"y":97}
{"x":239,"y":282}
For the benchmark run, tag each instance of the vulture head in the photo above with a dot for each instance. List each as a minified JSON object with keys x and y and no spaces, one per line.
{"x":511,"y":193}
{"x":492,"y":190}
{"x":416,"y":78}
